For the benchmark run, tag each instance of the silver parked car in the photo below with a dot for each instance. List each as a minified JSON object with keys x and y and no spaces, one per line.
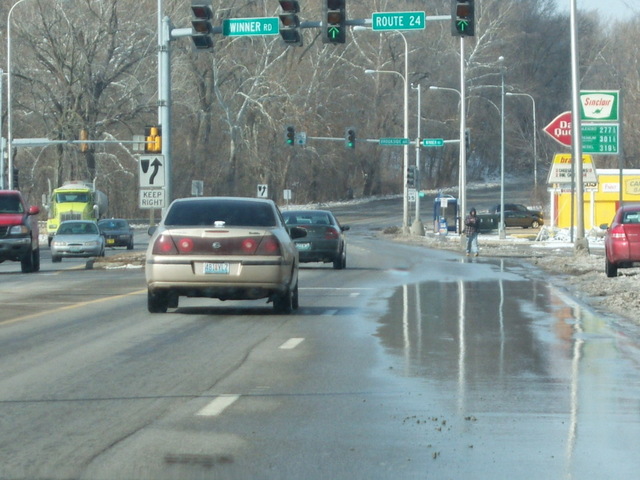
{"x":77,"y":238}
{"x":227,"y":248}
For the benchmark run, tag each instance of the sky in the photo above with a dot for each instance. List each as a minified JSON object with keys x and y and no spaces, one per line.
{"x":610,"y":9}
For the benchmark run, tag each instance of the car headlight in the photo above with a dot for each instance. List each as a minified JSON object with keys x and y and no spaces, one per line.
{"x":58,"y":243}
{"x":19,"y":230}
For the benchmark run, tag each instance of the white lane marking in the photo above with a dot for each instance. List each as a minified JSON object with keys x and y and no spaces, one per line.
{"x":291,"y":343}
{"x":217,"y":406}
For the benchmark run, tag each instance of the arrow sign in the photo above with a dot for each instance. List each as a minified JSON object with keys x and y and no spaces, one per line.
{"x":151,"y":170}
{"x":560,"y":129}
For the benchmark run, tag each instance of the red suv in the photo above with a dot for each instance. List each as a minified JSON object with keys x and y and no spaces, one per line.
{"x":19,"y":234}
{"x":622,"y":240}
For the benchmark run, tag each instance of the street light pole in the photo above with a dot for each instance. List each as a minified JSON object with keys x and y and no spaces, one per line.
{"x":405,"y":215}
{"x":535,"y":143}
{"x":463,"y":144}
{"x":501,"y":232}
{"x":2,"y":187}
{"x":418,"y":227}
{"x":9,"y":100}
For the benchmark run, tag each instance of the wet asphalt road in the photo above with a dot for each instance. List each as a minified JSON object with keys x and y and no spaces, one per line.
{"x":411,"y":363}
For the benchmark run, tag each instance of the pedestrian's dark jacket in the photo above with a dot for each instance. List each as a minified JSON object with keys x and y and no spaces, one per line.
{"x":471,"y":224}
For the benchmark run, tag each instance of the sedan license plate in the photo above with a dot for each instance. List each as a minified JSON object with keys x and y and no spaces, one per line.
{"x":75,"y":249}
{"x":303,"y":246}
{"x":216,"y":268}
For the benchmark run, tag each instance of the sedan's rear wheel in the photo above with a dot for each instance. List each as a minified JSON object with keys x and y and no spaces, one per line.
{"x":340,"y":261}
{"x":295,"y":301}
{"x":611,"y":269}
{"x":283,"y":303}
{"x":157,"y":302}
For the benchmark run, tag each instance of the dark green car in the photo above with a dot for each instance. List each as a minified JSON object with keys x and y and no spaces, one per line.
{"x":325,"y":242}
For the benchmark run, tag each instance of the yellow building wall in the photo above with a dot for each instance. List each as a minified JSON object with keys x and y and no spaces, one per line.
{"x":600,"y":206}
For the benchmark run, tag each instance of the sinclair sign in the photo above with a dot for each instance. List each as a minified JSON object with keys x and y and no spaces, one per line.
{"x":600,"y":106}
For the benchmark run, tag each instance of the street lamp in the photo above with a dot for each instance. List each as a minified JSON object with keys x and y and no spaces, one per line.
{"x":535,"y":146}
{"x":2,"y":185}
{"x":405,"y":215}
{"x":501,"y":232}
{"x":462,"y":164}
{"x":418,"y":227}
{"x":10,"y":98}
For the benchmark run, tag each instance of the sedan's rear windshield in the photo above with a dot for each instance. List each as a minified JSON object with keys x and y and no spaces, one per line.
{"x":232,"y":213}
{"x":631,"y":217}
{"x":302,"y":218}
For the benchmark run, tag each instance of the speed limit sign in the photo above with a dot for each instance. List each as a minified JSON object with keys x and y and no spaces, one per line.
{"x":263,"y":190}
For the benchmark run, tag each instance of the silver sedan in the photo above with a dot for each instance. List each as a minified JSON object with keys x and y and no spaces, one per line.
{"x":77,"y":238}
{"x":226,"y":248}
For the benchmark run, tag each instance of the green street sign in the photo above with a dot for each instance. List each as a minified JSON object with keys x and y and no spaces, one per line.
{"x":393,"y":142}
{"x":232,"y":27}
{"x":398,"y":21}
{"x":600,"y":138}
{"x":432,"y":142}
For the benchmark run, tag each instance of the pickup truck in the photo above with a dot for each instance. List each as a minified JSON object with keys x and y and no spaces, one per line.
{"x":515,"y":215}
{"x":19,"y":234}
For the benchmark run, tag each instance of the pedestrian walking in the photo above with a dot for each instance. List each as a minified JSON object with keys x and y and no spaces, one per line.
{"x":471,"y":231}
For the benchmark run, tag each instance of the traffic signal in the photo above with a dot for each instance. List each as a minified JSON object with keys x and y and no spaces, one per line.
{"x":201,"y":23}
{"x":291,"y":135}
{"x":334,"y":18}
{"x":350,"y":137}
{"x":411,"y":176}
{"x":290,"y":29}
{"x":84,"y":135}
{"x":462,"y":18}
{"x":153,"y":139}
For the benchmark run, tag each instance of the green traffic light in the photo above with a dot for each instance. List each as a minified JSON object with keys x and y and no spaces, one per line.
{"x":462,"y":25}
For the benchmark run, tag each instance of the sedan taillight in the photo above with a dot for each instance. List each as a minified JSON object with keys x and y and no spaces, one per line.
{"x":164,"y":246}
{"x":269,"y":246}
{"x":331,"y":234}
{"x":185,"y":245}
{"x":618,"y":232}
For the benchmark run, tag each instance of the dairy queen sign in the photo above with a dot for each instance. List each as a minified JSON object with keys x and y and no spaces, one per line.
{"x":560,"y":129}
